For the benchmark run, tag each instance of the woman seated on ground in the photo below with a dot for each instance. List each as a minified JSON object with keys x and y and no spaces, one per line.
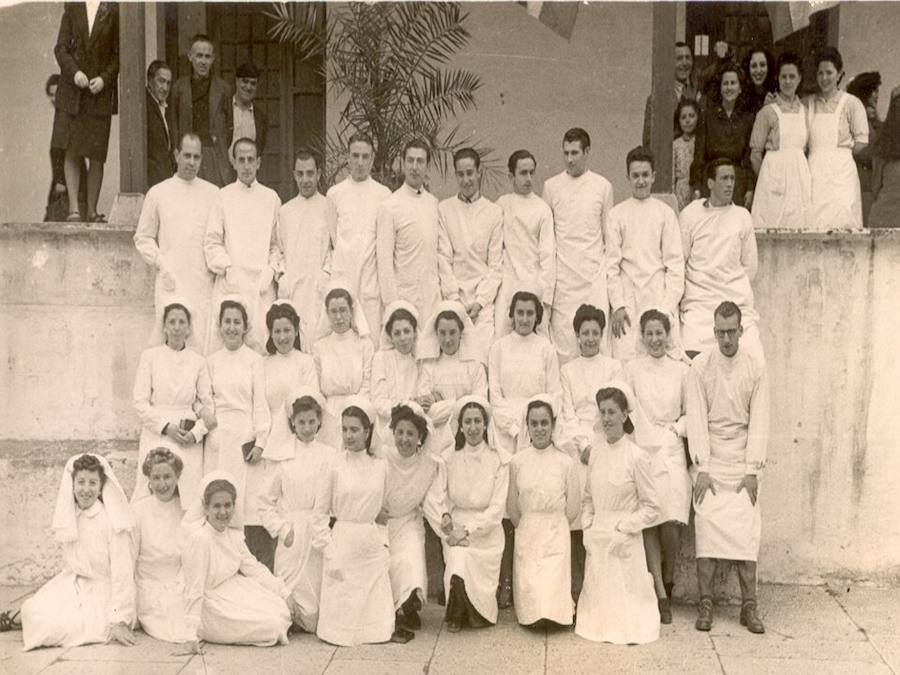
{"x":657,"y":379}
{"x":356,"y":605}
{"x":474,"y":494}
{"x":395,"y":371}
{"x":230,"y":597}
{"x":159,"y":543}
{"x":452,"y":366}
{"x":173,"y":397}
{"x":544,"y":497}
{"x":617,"y":603}
{"x":288,"y":503}
{"x":92,"y":598}
{"x":343,"y":356}
{"x":412,"y":475}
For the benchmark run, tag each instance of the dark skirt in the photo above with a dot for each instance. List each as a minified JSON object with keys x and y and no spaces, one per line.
{"x":460,"y":609}
{"x":82,"y":135}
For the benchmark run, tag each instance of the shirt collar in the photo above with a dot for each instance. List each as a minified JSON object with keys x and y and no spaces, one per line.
{"x":161,"y":104}
{"x":234,"y":103}
{"x":413,"y":191}
{"x":95,"y":508}
{"x":474,"y":198}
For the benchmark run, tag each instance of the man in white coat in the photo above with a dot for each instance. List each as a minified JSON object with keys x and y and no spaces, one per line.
{"x":304,"y":247}
{"x":240,"y":244}
{"x":645,"y":265}
{"x":169,"y":237}
{"x":407,"y":237}
{"x":529,"y":249}
{"x":581,"y":201}
{"x":470,"y":246}
{"x":351,"y":207}
{"x":728,"y":426}
{"x":720,"y":261}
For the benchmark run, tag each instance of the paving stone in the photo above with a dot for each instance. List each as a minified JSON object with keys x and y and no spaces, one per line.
{"x":111,"y":668}
{"x":874,"y":610}
{"x":305,"y":654}
{"x":14,"y":660}
{"x":366,"y":667}
{"x":888,"y":646}
{"x":418,"y":650}
{"x":147,"y":650}
{"x":775,"y":646}
{"x":751,"y":665}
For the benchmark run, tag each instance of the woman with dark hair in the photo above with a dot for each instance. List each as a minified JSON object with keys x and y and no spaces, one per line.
{"x":158,"y":544}
{"x":451,"y":366}
{"x":237,"y":445}
{"x":544,"y":497}
{"x":838,"y":131}
{"x":783,"y":191}
{"x":724,"y":131}
{"x":92,"y":598}
{"x":618,"y":604}
{"x":173,"y":398}
{"x":886,"y":175}
{"x":356,"y":605}
{"x":761,"y":78}
{"x":395,"y":371}
{"x":658,"y":380}
{"x":288,"y":502}
{"x":473,"y":495}
{"x":343,"y":355}
{"x":412,"y":487}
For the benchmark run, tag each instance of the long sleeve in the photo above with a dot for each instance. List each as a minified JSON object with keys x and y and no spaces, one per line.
{"x":384,"y":253}
{"x":145,"y":236}
{"x":587,"y":499}
{"x":512,"y":497}
{"x":749,"y":259}
{"x":495,"y":363}
{"x":262,"y":419}
{"x":269,"y":513}
{"x":142,"y":393}
{"x":547,"y":255}
{"x":758,"y":427}
{"x":573,"y":493}
{"x":449,"y":283}
{"x":479,"y":381}
{"x":492,"y":515}
{"x":551,"y":369}
{"x":204,"y":400}
{"x":252,"y":568}
{"x":697,"y":420}
{"x":435,"y":504}
{"x":367,"y":356}
{"x":321,"y":538}
{"x":486,"y":291}
{"x":608,"y":203}
{"x":573,"y":436}
{"x":64,"y":58}
{"x":381,"y":397}
{"x":121,"y":568}
{"x":111,"y":67}
{"x":614,"y":236}
{"x":196,"y":563}
{"x":673,"y":259}
{"x":217,"y":258}
{"x":648,"y":502}
{"x":276,"y":251}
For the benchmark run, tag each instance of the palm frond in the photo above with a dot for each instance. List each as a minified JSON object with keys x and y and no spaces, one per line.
{"x":299,"y":26}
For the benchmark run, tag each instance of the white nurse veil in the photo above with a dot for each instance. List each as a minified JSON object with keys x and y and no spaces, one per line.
{"x":65,"y":525}
{"x":195,"y":515}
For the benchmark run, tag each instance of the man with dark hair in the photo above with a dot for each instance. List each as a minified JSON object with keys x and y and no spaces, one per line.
{"x":581,"y":201}
{"x":728,"y":427}
{"x":200,"y":104}
{"x":245,"y":119}
{"x":160,"y":162}
{"x":684,"y":88}
{"x":719,"y":246}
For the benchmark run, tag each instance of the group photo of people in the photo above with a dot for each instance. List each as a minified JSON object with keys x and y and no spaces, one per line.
{"x":536,"y":400}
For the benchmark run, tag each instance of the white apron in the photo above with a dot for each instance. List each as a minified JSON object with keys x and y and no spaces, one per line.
{"x":406,"y":535}
{"x":299,"y":566}
{"x":242,"y":611}
{"x":782,"y":198}
{"x":224,"y":450}
{"x":542,"y":582}
{"x":836,"y":196}
{"x":673,"y":482}
{"x":478,"y":564}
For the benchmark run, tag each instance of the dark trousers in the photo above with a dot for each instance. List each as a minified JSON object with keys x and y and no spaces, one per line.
{"x":576,"y":537}
{"x":509,"y":548}
{"x":261,"y":545}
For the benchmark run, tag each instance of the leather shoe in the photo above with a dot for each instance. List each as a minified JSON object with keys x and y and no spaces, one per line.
{"x":704,"y":614}
{"x":665,"y":611}
{"x":750,"y":619}
{"x":453,"y":627}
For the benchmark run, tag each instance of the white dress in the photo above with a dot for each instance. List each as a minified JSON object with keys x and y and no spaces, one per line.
{"x":239,"y":391}
{"x":474,"y":494}
{"x":659,"y":385}
{"x":580,"y":208}
{"x":159,"y":542}
{"x":518,"y":368}
{"x":394,"y":379}
{"x":344,"y":364}
{"x":617,"y":603}
{"x":94,"y":589}
{"x":169,"y":236}
{"x":289,"y":501}
{"x":409,"y":481}
{"x":356,"y":605}
{"x":544,"y":497}
{"x":231,"y":597}
{"x":170,"y":386}
{"x":452,"y":378}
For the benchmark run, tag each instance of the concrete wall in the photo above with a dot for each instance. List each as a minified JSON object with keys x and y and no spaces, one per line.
{"x":75,"y":314}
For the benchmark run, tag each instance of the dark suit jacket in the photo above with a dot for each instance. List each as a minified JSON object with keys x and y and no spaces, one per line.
{"x":259,"y":120}
{"x":160,"y":162}
{"x":93,"y":54}
{"x":182,"y":121}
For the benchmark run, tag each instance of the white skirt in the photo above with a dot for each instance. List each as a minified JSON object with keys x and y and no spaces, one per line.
{"x":406,"y":536}
{"x":241,"y":611}
{"x":542,"y":573}
{"x":673,"y":482}
{"x":299,"y":566}
{"x":160,"y":609}
{"x":478,"y":564}
{"x":66,"y":612}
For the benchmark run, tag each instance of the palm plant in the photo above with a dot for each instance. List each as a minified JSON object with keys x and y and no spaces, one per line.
{"x":387,"y":66}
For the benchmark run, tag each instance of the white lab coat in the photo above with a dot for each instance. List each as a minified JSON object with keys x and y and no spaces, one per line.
{"x":394,"y":379}
{"x":344,"y":364}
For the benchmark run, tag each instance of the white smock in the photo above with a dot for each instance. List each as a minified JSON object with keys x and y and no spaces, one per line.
{"x":394,"y":375}
{"x":241,"y":238}
{"x":409,"y":482}
{"x":783,"y":194}
{"x":645,"y":267}
{"x":356,"y":605}
{"x":617,"y":603}
{"x":171,"y":386}
{"x":344,"y":363}
{"x":544,"y":497}
{"x":289,"y":503}
{"x":159,"y":542}
{"x":836,"y":192}
{"x":529,"y":254}
{"x":407,"y":249}
{"x":304,"y":247}
{"x":239,"y":391}
{"x":351,"y":210}
{"x":231,"y":597}
{"x":720,"y":262}
{"x":470,"y":257}
{"x":169,"y":237}
{"x":474,"y":494}
{"x":659,"y":385}
{"x":728,"y":427}
{"x":518,"y":368}
{"x":580,"y":208}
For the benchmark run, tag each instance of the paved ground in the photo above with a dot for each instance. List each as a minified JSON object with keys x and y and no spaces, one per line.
{"x":810,"y":630}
